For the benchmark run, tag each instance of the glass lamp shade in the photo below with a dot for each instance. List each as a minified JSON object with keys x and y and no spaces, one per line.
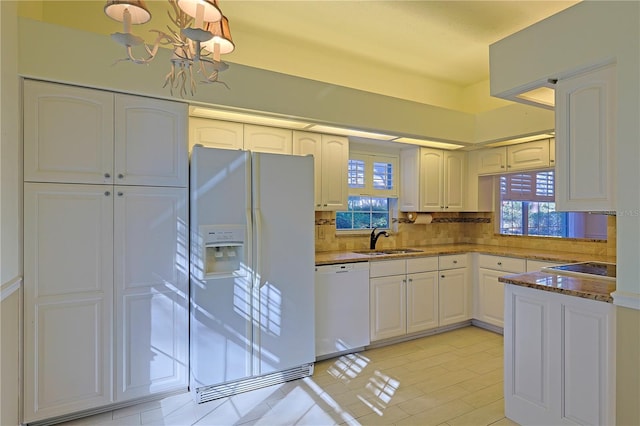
{"x":137,"y":9}
{"x":221,"y":36}
{"x":211,"y":11}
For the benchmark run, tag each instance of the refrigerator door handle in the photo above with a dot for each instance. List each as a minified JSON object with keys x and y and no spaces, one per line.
{"x":258,"y":258}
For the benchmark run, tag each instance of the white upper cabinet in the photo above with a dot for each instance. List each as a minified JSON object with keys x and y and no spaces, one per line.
{"x":330,"y":160}
{"x":150,"y":142}
{"x":585,"y":141}
{"x":432,"y":180}
{"x":492,"y":160}
{"x":529,"y":155}
{"x":513,"y":158}
{"x":215,"y":133}
{"x":268,"y":139}
{"x":68,"y":134}
{"x":335,"y":162}
{"x":79,"y":135}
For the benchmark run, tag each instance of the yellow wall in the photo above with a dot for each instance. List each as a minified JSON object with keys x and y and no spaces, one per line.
{"x":283,"y":55}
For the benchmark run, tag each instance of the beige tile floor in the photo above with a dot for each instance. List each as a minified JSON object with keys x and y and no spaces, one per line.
{"x":453,"y":378}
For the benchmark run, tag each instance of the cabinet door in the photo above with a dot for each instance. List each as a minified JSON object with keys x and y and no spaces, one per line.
{"x":68,"y":134}
{"x":268,"y":139}
{"x":455,"y":174}
{"x":585,"y":140}
{"x":306,"y":143}
{"x":454,"y":296}
{"x":588,"y":364}
{"x":422,"y":301}
{"x":335,"y":164}
{"x":387,"y":300}
{"x":431,"y":180}
{"x":531,"y":336}
{"x":151,"y":264}
{"x":492,"y":160}
{"x":490,"y":297}
{"x":410,"y":180}
{"x":215,"y":133}
{"x":68,"y":299}
{"x":151,"y":142}
{"x":530,"y":155}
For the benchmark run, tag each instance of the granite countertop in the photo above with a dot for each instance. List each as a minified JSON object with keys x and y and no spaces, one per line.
{"x":595,"y":289}
{"x":348,"y":256}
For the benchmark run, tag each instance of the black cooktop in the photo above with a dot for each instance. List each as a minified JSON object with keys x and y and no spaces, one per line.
{"x":592,"y":268}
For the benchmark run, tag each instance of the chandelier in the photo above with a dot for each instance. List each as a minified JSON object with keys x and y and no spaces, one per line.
{"x":201,"y":36}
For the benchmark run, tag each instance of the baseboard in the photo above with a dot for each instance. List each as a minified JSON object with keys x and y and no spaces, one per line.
{"x":487,"y":326}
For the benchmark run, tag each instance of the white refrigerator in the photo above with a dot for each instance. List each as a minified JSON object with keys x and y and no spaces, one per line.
{"x":251,"y":270}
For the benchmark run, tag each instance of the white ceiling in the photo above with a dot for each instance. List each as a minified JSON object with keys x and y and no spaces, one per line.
{"x":443,"y":40}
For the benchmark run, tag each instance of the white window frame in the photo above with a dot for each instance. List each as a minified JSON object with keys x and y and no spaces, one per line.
{"x":369,"y":190}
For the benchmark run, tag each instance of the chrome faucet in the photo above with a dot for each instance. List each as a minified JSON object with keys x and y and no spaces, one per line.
{"x":374,"y":238}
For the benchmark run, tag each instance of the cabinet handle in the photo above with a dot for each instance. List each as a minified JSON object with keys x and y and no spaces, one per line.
{"x":404,"y":281}
{"x":442,"y":207}
{"x":107,"y":175}
{"x":120,"y":176}
{"x":502,"y":167}
{"x":107,"y":193}
{"x":410,"y":280}
{"x":120,"y":194}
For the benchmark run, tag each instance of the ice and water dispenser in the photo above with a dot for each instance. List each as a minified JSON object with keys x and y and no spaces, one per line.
{"x":223,"y":250}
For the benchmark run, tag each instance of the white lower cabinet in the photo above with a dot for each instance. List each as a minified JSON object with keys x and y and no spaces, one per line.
{"x":454,"y":290}
{"x":403,"y":296}
{"x":151,"y":287}
{"x":410,"y":296}
{"x":559,"y":358}
{"x":490,"y":292}
{"x":68,"y":299}
{"x":105,"y":295}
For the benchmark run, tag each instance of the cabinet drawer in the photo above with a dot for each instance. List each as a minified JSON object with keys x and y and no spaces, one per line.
{"x":453,"y":261}
{"x":385,"y":268}
{"x":422,"y":264}
{"x":502,"y":263}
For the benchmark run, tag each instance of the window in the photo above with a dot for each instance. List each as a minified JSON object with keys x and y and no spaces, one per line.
{"x":527,"y":207}
{"x":363,"y":213}
{"x":372,"y":180}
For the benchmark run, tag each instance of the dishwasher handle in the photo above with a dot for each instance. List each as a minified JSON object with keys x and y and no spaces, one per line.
{"x":342,"y":268}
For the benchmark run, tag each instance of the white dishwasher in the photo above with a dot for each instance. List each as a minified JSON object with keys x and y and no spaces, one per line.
{"x":342,"y":308}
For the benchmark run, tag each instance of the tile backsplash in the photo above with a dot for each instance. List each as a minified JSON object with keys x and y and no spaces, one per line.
{"x":450,"y":228}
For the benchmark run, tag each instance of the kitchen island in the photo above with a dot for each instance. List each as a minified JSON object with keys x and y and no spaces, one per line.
{"x":559,"y":349}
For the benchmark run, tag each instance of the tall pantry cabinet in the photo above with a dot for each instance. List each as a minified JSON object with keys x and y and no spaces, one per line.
{"x":105,"y":248}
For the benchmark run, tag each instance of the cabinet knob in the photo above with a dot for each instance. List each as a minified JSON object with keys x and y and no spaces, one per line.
{"x":107,"y":193}
{"x":442,"y":207}
{"x":499,"y":263}
{"x":107,"y":175}
{"x":455,"y":261}
{"x":441,"y":276}
{"x":446,"y":207}
{"x":120,"y":194}
{"x":404,"y":281}
{"x":120,"y":176}
{"x":502,"y":167}
{"x":410,"y":280}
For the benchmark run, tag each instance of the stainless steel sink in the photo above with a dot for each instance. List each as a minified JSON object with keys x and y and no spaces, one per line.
{"x":386,"y":251}
{"x":402,"y":251}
